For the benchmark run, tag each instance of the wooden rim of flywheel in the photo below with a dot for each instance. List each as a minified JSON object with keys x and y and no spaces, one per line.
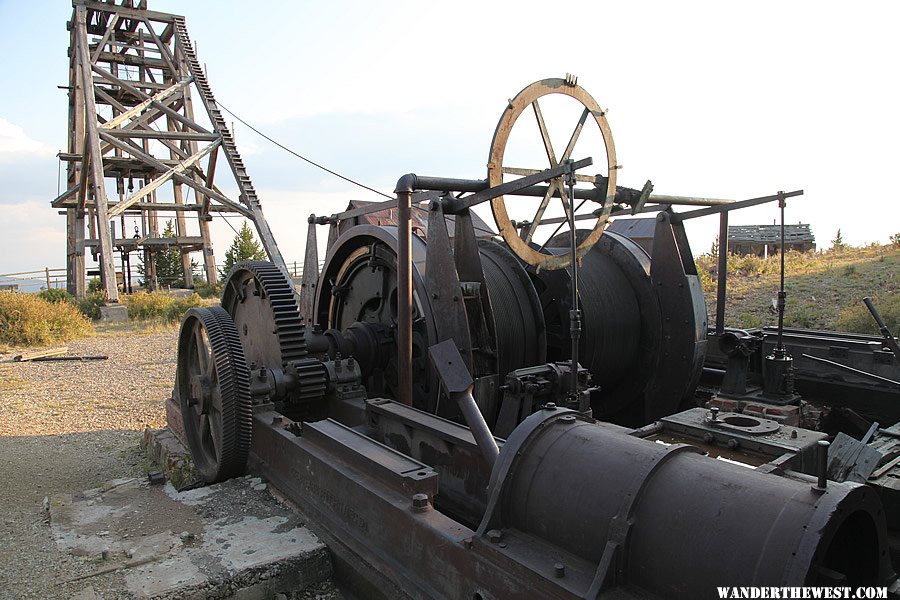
{"x":529,"y":97}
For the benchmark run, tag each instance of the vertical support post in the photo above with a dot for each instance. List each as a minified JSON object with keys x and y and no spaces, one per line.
{"x":575,"y":313}
{"x":47,"y":273}
{"x":310,"y":279}
{"x":93,"y":140}
{"x":779,"y":346}
{"x":180,"y":221}
{"x":209,"y":257}
{"x":75,"y":274}
{"x":722,"y":279}
{"x":404,"y":290}
{"x":153,"y":232}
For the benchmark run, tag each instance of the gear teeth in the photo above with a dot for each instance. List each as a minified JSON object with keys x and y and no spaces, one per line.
{"x":280,"y":294}
{"x":233,"y":383}
{"x":312,"y":377}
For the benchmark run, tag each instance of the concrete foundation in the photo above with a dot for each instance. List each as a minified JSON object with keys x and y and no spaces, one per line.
{"x":114,"y":313}
{"x":229,"y":540}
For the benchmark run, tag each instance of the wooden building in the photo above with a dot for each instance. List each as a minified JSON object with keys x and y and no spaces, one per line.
{"x":763,"y":240}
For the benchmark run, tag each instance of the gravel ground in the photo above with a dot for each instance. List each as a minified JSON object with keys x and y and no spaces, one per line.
{"x":70,"y":426}
{"x":67,"y":427}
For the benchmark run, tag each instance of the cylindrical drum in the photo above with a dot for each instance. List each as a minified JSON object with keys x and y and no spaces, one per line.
{"x":683,"y":523}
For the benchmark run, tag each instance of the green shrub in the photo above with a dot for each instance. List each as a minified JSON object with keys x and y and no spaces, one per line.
{"x":205,"y":290}
{"x":57,"y":295}
{"x":159,"y":305}
{"x":91,"y":303}
{"x":706,"y":281}
{"x":29,"y":320}
{"x":857,"y":318}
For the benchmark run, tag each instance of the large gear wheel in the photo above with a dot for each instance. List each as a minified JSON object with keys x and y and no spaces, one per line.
{"x":263,"y":306}
{"x":213,"y":384}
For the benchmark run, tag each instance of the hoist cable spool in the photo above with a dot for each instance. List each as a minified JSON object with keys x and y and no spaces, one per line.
{"x":263,"y":306}
{"x":213,"y":384}
{"x":516,"y":308}
{"x":620,"y":320}
{"x":359,"y":282}
{"x":529,"y":97}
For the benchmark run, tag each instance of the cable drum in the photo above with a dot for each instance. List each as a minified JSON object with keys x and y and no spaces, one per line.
{"x":620,"y":321}
{"x":516,"y":308}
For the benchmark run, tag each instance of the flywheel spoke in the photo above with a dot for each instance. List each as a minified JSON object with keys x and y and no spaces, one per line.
{"x":574,"y":139}
{"x":532,"y":228}
{"x":548,"y":146}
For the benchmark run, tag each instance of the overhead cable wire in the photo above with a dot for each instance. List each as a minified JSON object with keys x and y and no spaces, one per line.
{"x":319,"y":166}
{"x":301,"y":157}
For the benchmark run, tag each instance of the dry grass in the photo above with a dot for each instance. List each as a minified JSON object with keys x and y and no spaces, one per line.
{"x":824,"y":289}
{"x":28,"y":320}
{"x":160,"y":306}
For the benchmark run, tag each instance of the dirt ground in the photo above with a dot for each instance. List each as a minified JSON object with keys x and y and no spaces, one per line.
{"x":68,"y":427}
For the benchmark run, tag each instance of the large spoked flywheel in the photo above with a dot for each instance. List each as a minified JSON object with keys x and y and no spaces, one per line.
{"x":557,"y":99}
{"x":213,"y":384}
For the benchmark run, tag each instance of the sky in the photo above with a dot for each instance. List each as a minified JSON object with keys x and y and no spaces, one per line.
{"x":714,"y":99}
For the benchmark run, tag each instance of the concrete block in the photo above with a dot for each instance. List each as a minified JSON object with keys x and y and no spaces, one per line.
{"x":222,"y":541}
{"x":114,"y":313}
{"x":172,"y":457}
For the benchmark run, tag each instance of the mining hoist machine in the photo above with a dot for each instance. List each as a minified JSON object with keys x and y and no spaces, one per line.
{"x":470,"y":414}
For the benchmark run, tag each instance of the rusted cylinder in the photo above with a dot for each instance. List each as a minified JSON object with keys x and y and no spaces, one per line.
{"x":679,"y":522}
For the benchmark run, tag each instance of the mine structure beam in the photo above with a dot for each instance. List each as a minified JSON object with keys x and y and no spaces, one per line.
{"x":135,"y":145}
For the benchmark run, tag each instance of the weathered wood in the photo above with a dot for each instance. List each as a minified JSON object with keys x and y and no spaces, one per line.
{"x":179,"y":176}
{"x":76,"y":282}
{"x":310,"y":280}
{"x":26,"y":356}
{"x":110,"y":28}
{"x":209,"y":257}
{"x":155,"y":240}
{"x":107,"y":266}
{"x":123,"y":11}
{"x":152,"y":134}
{"x":163,"y":48}
{"x":146,"y":103}
{"x":159,"y":181}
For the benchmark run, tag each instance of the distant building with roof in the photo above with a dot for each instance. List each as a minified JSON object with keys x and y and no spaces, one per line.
{"x":763,"y":240}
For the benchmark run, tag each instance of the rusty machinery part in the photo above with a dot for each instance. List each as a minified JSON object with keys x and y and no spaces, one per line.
{"x":516,"y":308}
{"x":311,"y":379}
{"x":620,"y":317}
{"x":213,"y":386}
{"x":765,"y":530}
{"x":262,"y":304}
{"x":359,"y":285}
{"x":529,"y":97}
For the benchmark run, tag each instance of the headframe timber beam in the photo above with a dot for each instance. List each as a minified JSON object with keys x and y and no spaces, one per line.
{"x":134,"y":143}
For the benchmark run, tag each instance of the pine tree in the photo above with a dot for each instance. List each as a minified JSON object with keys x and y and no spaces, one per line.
{"x":244,"y":247}
{"x":838,"y":242}
{"x":714,"y":249}
{"x":168,"y":262}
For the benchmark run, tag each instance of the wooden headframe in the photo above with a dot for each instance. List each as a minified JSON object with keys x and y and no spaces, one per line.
{"x":134,"y":144}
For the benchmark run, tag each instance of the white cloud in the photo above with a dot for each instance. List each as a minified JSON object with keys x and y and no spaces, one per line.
{"x":37,"y":235}
{"x":15,"y":142}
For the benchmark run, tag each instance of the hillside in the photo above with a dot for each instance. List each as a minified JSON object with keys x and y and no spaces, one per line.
{"x":824,"y":289}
